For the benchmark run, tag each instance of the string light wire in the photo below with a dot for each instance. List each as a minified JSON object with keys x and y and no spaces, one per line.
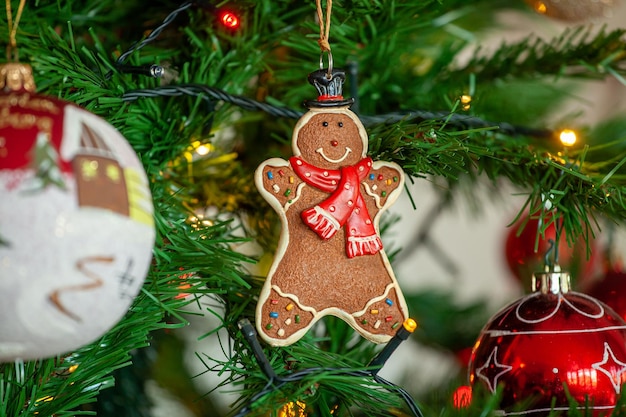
{"x":276,"y":382}
{"x":155,"y":32}
{"x":211,"y":93}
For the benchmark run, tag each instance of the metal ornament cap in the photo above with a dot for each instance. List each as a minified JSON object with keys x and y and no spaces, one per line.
{"x":16,"y":77}
{"x":551,"y":281}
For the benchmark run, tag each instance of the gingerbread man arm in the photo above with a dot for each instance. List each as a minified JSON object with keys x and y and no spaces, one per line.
{"x":278,"y":183}
{"x":384,"y":184}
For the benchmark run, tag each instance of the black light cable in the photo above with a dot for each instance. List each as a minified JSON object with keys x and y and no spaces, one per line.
{"x":276,"y":382}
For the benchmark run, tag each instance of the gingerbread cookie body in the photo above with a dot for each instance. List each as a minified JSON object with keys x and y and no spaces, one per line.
{"x":330,"y":259}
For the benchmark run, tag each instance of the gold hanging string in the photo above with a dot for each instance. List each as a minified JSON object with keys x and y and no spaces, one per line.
{"x":12,"y":25}
{"x":324,"y":33}
{"x":324,"y":24}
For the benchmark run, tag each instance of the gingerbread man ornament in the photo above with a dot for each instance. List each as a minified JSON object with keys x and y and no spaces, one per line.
{"x":329,"y":195}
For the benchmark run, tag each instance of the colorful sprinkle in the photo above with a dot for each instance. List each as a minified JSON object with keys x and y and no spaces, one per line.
{"x":290,"y":180}
{"x":288,"y":322}
{"x":268,"y":326}
{"x":389,"y":301}
{"x":286,"y":194}
{"x":380,"y":177}
{"x":274,"y":314}
{"x":395,"y":325}
{"x":270,"y":175}
{"x":373,"y":311}
{"x":276,"y":188}
{"x":383,"y":193}
{"x":377,"y":324}
{"x":388,"y":181}
{"x":388,"y":318}
{"x":281,"y":172}
{"x":364,"y":321}
{"x":297,"y":318}
{"x":395,"y":179}
{"x":289,"y":307}
{"x":281,"y":332}
{"x":374,"y":187}
{"x":372,"y":176}
{"x":273,"y":301}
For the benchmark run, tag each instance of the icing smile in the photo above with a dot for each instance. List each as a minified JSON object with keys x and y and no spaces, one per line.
{"x":333,"y":161}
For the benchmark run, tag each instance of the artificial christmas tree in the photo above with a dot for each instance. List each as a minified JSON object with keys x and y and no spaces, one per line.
{"x":229,"y":79}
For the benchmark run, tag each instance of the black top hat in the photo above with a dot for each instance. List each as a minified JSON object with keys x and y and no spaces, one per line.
{"x":329,"y":89}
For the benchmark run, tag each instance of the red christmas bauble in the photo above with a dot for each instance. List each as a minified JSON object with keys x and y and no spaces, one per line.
{"x":547,"y":340}
{"x":522,"y":259}
{"x":611,"y":290}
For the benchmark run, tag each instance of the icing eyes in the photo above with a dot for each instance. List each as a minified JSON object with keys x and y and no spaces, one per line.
{"x":325,"y":124}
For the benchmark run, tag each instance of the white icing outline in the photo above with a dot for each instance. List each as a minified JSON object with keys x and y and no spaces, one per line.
{"x":374,"y":300}
{"x":296,"y":197}
{"x":351,"y":319}
{"x":333,"y":161}
{"x":295,"y":299}
{"x":345,"y":110}
{"x":372,"y":194}
{"x":283,"y":241}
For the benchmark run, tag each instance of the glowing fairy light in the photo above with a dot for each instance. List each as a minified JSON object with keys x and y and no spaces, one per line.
{"x":466,"y":101}
{"x":230,"y":20}
{"x":541,"y":8}
{"x":568,"y":137}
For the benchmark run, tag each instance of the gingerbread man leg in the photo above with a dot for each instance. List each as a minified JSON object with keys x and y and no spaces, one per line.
{"x":381,"y":317}
{"x":281,"y":319}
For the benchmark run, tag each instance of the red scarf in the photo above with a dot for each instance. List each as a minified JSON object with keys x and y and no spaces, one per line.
{"x":344,"y":207}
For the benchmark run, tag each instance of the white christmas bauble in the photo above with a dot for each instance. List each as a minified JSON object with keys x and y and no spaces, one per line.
{"x":76,"y":226}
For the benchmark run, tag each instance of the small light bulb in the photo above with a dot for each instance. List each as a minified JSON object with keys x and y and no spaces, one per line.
{"x":568,"y":137}
{"x":203,"y":150}
{"x":462,"y":397}
{"x":466,"y":100}
{"x":541,"y":8}
{"x":230,"y":20}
